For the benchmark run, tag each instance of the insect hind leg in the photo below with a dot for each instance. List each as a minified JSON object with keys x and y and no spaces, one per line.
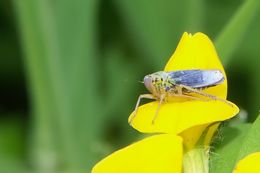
{"x":189,"y":97}
{"x":179,"y":93}
{"x":147,"y":96}
{"x":205,"y":94}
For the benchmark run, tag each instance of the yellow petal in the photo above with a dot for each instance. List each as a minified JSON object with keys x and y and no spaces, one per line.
{"x":192,"y":135}
{"x":176,"y":117}
{"x":198,"y":135}
{"x":249,"y":164}
{"x":210,"y":133}
{"x":159,"y":153}
{"x":186,"y":117}
{"x":197,"y":52}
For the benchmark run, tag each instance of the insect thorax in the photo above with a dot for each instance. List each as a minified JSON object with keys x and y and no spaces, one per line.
{"x":161,"y":83}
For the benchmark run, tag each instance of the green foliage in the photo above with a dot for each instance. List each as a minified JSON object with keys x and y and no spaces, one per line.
{"x":83,"y":60}
{"x":236,"y":142}
{"x":234,"y":32}
{"x":251,"y":142}
{"x":225,"y":151}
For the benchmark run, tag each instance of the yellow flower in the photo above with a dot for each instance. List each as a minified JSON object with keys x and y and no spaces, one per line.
{"x":186,"y":123}
{"x":159,"y":153}
{"x":249,"y":164}
{"x":179,"y":115}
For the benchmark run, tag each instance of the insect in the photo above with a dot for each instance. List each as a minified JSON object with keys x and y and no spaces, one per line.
{"x":181,"y":83}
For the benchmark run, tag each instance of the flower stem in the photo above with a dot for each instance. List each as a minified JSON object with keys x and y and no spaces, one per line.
{"x":196,"y":161}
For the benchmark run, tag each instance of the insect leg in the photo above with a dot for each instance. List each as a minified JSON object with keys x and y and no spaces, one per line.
{"x":189,"y":96}
{"x":147,"y":96}
{"x":158,"y":108}
{"x":181,"y":94}
{"x":177,"y":92}
{"x":205,"y":94}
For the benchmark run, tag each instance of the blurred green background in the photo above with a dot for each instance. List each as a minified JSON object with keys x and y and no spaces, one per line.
{"x":70,"y":71}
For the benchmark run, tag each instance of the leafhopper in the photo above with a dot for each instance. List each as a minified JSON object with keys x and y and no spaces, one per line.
{"x":181,"y":83}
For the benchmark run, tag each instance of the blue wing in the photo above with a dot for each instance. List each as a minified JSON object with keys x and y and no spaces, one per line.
{"x":197,"y":78}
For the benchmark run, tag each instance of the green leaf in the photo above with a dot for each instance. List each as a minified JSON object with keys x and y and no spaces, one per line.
{"x":234,"y":32}
{"x":225,"y":152}
{"x":252,"y":141}
{"x":238,"y":142}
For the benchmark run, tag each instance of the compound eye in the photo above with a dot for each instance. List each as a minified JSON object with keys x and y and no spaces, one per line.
{"x":148,"y":82}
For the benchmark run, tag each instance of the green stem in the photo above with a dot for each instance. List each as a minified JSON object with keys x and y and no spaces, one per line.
{"x":43,"y":146}
{"x":52,"y":111}
{"x":196,"y":161}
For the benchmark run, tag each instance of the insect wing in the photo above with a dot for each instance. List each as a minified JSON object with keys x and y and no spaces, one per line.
{"x":197,"y":78}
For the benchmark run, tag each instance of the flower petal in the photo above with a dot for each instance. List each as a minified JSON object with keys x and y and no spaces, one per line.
{"x":176,"y":117}
{"x":198,"y":135}
{"x":249,"y":164}
{"x":197,"y":52}
{"x":179,"y":116}
{"x":192,"y":135}
{"x":159,"y":153}
{"x":210,"y":133}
